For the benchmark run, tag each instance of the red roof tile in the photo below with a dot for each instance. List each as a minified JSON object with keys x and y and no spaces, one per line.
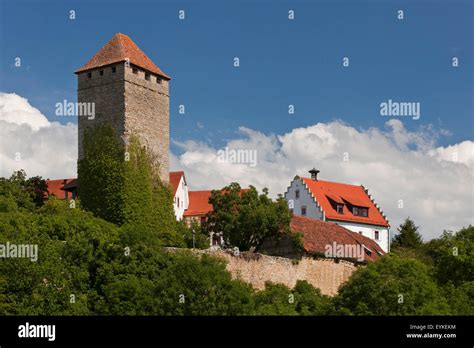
{"x":118,"y":49}
{"x":198,"y":203}
{"x":55,"y":187}
{"x":353,"y":194}
{"x":318,"y":234}
{"x":175,"y":178}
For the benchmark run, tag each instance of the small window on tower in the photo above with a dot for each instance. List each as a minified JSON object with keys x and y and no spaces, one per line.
{"x":158,"y":80}
{"x":303,"y":210}
{"x":89,"y":75}
{"x":101,"y":73}
{"x":135,"y":70}
{"x":297,"y":194}
{"x":147,"y":76}
{"x":114,"y":69}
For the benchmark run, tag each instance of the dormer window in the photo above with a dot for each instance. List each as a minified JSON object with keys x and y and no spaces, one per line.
{"x":147,"y":76}
{"x":339,"y":208}
{"x":360,"y":211}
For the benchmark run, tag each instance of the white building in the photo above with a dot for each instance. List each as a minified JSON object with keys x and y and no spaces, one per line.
{"x":180,"y":193}
{"x":349,"y":206}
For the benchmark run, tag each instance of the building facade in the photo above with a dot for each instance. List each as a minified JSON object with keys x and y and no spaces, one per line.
{"x":349,"y":206}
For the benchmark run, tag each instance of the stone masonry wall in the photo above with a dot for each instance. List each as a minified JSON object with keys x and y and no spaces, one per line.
{"x":107,"y":92}
{"x":147,"y":114}
{"x":131,"y":104}
{"x":256,"y":269}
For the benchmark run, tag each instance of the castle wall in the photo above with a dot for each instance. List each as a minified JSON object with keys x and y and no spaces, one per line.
{"x":255,"y":269}
{"x":107,"y":92}
{"x":147,"y":114}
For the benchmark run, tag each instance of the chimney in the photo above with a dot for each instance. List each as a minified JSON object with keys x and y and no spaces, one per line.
{"x":314,"y":174}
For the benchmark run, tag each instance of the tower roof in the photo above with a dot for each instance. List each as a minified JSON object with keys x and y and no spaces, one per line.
{"x":118,"y":49}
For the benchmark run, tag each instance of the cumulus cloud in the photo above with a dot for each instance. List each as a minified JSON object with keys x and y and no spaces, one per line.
{"x":29,"y":141}
{"x":434,"y":184}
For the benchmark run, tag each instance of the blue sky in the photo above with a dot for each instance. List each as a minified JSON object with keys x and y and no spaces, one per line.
{"x":282,"y":62}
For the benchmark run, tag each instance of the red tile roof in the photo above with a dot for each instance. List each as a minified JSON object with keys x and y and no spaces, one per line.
{"x":175,"y":178}
{"x":318,"y":234}
{"x":55,"y":187}
{"x":322,"y":191}
{"x":118,"y":49}
{"x":198,"y":203}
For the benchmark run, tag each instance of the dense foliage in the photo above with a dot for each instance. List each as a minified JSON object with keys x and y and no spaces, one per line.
{"x":244,"y":217}
{"x":89,"y":266}
{"x":122,"y":185}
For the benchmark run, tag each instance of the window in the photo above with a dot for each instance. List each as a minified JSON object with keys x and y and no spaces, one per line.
{"x":297,"y":194}
{"x":101,"y":73}
{"x":376,"y":235}
{"x":360,"y":211}
{"x":303,"y":210}
{"x":158,"y":80}
{"x":89,"y":75}
{"x":178,"y":202}
{"x":147,"y":76}
{"x":114,"y":69}
{"x":339,"y":208}
{"x":135,"y":70}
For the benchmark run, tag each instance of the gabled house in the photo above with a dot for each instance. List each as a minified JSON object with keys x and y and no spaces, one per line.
{"x":349,"y":206}
{"x":179,"y":186}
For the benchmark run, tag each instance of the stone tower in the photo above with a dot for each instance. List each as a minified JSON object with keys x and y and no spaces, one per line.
{"x":129,"y":91}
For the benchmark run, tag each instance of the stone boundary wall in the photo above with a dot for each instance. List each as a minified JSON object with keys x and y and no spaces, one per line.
{"x":325,"y":274}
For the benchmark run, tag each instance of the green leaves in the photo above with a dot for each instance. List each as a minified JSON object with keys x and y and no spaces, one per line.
{"x":244,"y":217}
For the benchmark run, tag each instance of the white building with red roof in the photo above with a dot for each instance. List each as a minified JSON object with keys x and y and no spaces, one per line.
{"x":180,"y":193}
{"x":349,"y":206}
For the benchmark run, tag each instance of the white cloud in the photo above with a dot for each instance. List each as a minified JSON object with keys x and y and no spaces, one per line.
{"x":436,"y":186}
{"x":435,"y":183}
{"x":29,"y":141}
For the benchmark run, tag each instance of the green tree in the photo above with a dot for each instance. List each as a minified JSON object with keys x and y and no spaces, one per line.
{"x":453,"y":256}
{"x":391,"y":286}
{"x":408,"y":236}
{"x":244,"y":217}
